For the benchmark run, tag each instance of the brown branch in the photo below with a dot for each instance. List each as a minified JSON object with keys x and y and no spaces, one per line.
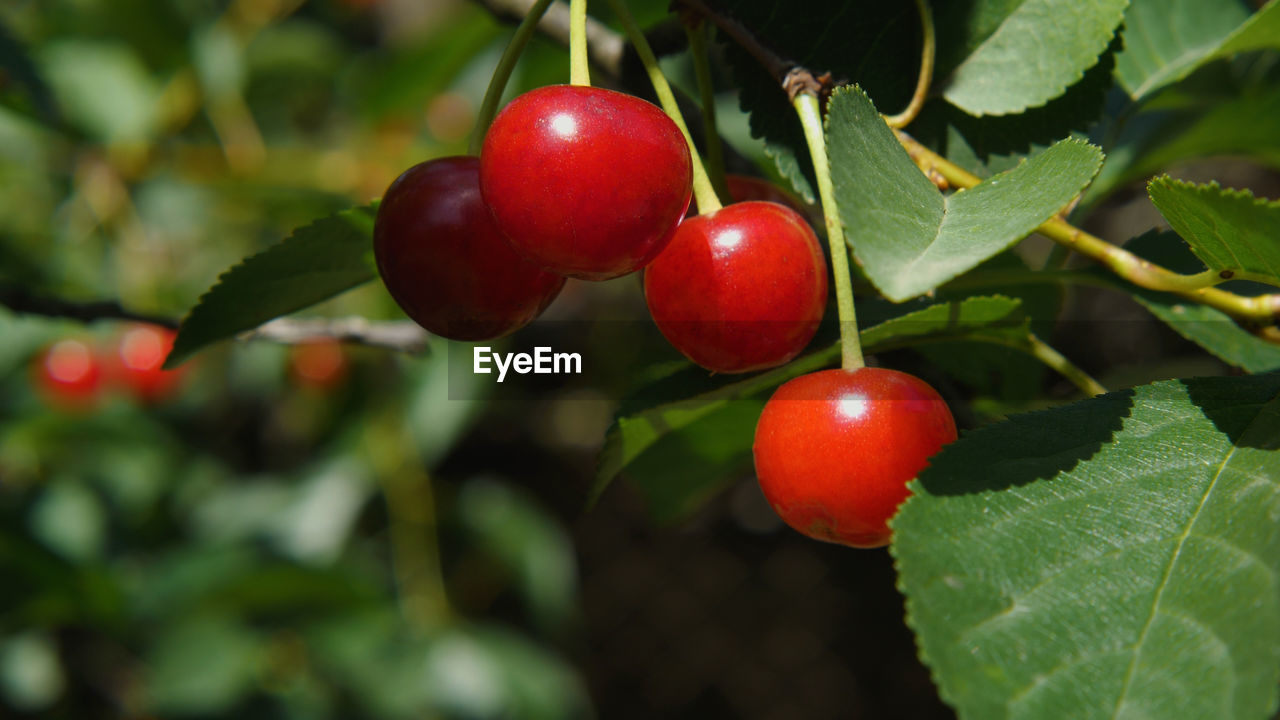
{"x":24,"y":302}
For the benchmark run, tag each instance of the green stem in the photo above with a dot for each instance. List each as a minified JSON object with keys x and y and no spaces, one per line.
{"x":704,"y":193}
{"x":502,"y":73}
{"x":696,"y":32}
{"x":1054,"y":359}
{"x":806,"y":105}
{"x":925,"y":77}
{"x":579,"y":73}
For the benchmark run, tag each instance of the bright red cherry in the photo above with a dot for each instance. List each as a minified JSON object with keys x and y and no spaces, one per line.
{"x":444,"y":261}
{"x":739,"y":289}
{"x":586,"y":182}
{"x":834,"y":450}
{"x":69,"y":375}
{"x":138,"y":359}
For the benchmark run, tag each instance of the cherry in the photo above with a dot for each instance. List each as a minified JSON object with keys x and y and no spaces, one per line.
{"x":444,"y":261}
{"x":586,"y":182}
{"x":834,"y":450}
{"x":69,"y":374}
{"x":320,"y":364}
{"x":138,"y":360}
{"x":739,"y":289}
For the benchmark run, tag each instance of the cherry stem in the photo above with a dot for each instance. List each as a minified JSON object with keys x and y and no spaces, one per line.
{"x":704,"y":192}
{"x":806,"y":105}
{"x":695,"y":30}
{"x":925,"y":78}
{"x":579,"y":70}
{"x":502,"y":73}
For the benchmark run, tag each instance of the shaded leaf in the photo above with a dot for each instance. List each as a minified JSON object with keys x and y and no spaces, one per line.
{"x":1165,"y":40}
{"x":875,"y":44}
{"x":1243,"y":125}
{"x":1117,"y":556}
{"x":682,"y":470}
{"x":1038,"y":50}
{"x":316,"y":262}
{"x":908,"y":236}
{"x":1229,"y":230}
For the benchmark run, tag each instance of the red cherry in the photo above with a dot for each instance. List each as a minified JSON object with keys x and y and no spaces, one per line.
{"x":444,"y":260}
{"x":834,"y":450}
{"x":739,"y":289}
{"x":69,"y":375}
{"x":139,"y":357}
{"x":586,"y":182}
{"x":320,"y":364}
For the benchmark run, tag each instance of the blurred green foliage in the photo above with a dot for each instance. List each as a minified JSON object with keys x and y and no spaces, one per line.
{"x":255,"y":545}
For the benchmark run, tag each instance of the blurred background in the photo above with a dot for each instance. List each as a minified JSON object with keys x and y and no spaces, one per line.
{"x":321,"y":531}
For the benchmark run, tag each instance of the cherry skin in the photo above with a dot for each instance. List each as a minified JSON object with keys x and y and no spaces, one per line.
{"x":834,"y":450}
{"x":739,"y":289}
{"x":444,"y":261}
{"x":138,"y":360}
{"x":69,"y":375}
{"x":586,"y":182}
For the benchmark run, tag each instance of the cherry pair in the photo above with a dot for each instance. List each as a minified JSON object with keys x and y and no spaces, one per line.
{"x":72,"y":373}
{"x":572,"y":181}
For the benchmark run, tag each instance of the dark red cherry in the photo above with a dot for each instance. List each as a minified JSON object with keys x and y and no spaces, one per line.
{"x":740,"y":289}
{"x":445,"y":262}
{"x":586,"y":182}
{"x":834,"y":450}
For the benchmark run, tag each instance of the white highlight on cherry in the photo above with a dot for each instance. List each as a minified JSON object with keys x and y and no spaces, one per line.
{"x":852,"y":406}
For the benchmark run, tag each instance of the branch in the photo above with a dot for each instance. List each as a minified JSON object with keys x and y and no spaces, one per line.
{"x":605,"y":46}
{"x":404,"y":336}
{"x":23,"y":302}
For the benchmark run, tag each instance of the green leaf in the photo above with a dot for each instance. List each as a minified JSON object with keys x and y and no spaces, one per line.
{"x":993,"y":143}
{"x":684,"y":397}
{"x":1038,"y":50}
{"x":201,"y":666}
{"x":682,"y":470}
{"x":1229,"y":230}
{"x":1117,"y":556}
{"x":908,"y":236}
{"x":1165,"y":40}
{"x":1241,"y":124}
{"x":102,"y":87}
{"x":1211,"y":329}
{"x":316,"y":262}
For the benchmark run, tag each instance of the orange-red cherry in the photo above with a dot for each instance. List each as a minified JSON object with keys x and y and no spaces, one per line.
{"x":68,"y":375}
{"x":739,"y":289}
{"x":138,"y":360}
{"x":586,"y":182}
{"x":834,"y":450}
{"x":444,"y":260}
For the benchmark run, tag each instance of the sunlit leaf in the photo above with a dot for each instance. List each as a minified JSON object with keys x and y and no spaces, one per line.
{"x":1117,"y":556}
